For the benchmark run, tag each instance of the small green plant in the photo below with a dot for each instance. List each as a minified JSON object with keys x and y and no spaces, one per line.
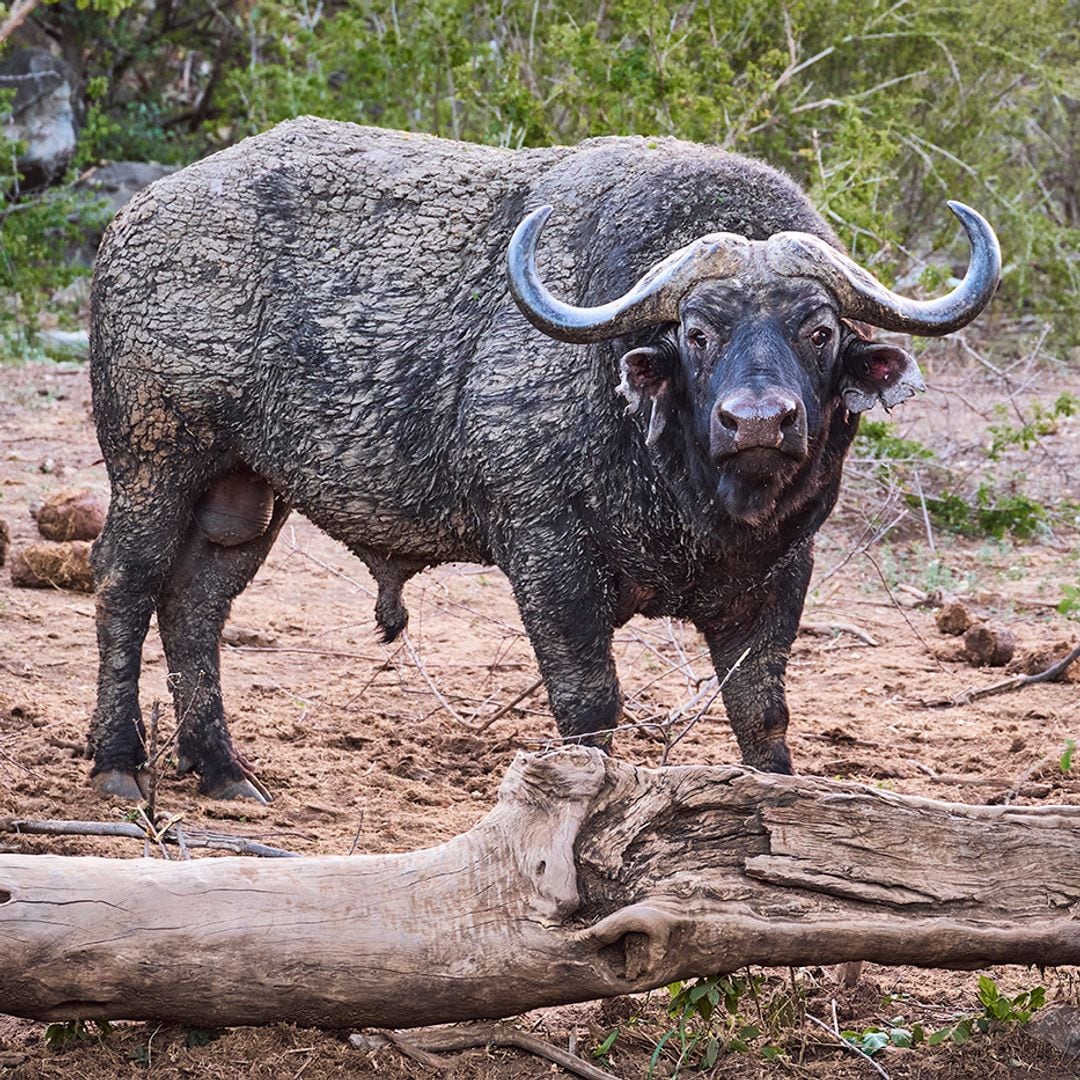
{"x":996,"y":1008}
{"x":1067,"y":755}
{"x":604,"y":1048}
{"x":197,"y":1037}
{"x":873,"y":1039}
{"x":1043,"y":422}
{"x":708,"y":1022}
{"x":1070,"y":599}
{"x":877,"y":439}
{"x":67,"y":1033}
{"x":140,"y":1055}
{"x":990,"y":513}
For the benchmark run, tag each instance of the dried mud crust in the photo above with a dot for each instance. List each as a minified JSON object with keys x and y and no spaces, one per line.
{"x":361,"y":754}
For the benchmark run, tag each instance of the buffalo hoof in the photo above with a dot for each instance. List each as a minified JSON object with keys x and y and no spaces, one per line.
{"x":243,"y":788}
{"x":119,"y":784}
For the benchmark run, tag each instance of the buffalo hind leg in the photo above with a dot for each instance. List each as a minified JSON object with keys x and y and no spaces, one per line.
{"x":566,"y":601}
{"x":131,"y":559}
{"x":754,"y":692}
{"x":194,"y":605}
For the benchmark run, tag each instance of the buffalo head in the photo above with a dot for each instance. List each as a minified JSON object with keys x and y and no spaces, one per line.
{"x":753,"y":342}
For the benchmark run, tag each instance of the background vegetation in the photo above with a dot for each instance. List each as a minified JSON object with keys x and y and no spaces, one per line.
{"x":882,"y":108}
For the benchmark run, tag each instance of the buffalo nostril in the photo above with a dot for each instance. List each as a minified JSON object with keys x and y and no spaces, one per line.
{"x":729,"y":421}
{"x":789,"y":419}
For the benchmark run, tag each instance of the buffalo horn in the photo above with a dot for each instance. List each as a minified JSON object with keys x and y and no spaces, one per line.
{"x":862,"y":297}
{"x":655,"y":297}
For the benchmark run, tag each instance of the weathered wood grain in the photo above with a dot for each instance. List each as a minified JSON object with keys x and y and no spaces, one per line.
{"x":589,"y":878}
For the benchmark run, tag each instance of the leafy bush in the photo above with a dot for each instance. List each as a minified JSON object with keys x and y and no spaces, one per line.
{"x":881,"y":110}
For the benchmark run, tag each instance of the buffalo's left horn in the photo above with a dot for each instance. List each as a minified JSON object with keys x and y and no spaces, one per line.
{"x":861,"y":296}
{"x":654,"y":299}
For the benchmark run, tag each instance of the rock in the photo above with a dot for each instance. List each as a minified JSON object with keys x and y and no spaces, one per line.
{"x":109,"y":187}
{"x":1037,"y":659}
{"x":64,"y":344}
{"x":953,"y":618}
{"x":1057,"y":1026}
{"x":51,"y":564}
{"x":117,"y":181}
{"x":5,"y":541}
{"x":41,"y":114}
{"x":988,"y":646}
{"x":246,"y":635}
{"x":71,"y":514}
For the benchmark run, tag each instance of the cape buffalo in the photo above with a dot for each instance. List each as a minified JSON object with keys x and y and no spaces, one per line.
{"x":320,"y":317}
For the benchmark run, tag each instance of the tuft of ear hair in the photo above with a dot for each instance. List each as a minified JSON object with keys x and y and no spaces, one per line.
{"x":646,"y":376}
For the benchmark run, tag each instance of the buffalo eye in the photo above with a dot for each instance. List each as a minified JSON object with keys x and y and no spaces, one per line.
{"x":697,"y":338}
{"x":820,"y":337}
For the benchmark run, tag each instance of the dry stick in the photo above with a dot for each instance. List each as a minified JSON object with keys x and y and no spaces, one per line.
{"x":850,"y":1046}
{"x":464,"y":1037}
{"x":239,"y":845}
{"x":896,"y":603}
{"x":502,"y":710}
{"x":842,"y":625}
{"x":670,"y":745}
{"x":154,"y":834}
{"x":311,"y":652}
{"x":925,"y":512}
{"x":415,"y":657}
{"x":185,"y":854}
{"x":424,"y":1057}
{"x":20,"y":10}
{"x":152,"y":748}
{"x":862,"y":544}
{"x":1052,"y":674}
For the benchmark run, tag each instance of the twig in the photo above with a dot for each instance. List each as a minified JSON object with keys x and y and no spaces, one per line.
{"x":417,"y":1053}
{"x":925,"y":512}
{"x":239,"y":845}
{"x":18,"y":14}
{"x":502,"y":710}
{"x":185,"y":854}
{"x":670,"y":744}
{"x":838,"y":624}
{"x":310,"y":652}
{"x":868,"y":539}
{"x":896,"y":603}
{"x":152,"y":747}
{"x":464,"y":1037}
{"x":1052,"y":674}
{"x":850,"y":1046}
{"x":415,"y":657}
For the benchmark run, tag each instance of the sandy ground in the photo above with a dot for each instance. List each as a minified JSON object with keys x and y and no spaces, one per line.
{"x":362,"y":755}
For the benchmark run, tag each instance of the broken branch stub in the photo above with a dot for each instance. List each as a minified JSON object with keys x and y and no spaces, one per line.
{"x":589,"y":878}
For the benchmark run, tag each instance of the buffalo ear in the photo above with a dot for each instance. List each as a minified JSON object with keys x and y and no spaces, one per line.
{"x":646,"y":376}
{"x":877,"y":374}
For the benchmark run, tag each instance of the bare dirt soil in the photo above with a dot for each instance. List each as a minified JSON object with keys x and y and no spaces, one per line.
{"x":365,"y":747}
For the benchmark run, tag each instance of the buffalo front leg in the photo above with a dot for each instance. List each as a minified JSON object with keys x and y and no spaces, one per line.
{"x":751,"y":657}
{"x":566,"y":602}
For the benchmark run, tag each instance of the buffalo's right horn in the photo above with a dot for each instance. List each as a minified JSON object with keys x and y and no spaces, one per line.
{"x":654,"y":299}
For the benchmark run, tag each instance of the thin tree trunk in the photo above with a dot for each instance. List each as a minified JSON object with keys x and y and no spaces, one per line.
{"x":588,"y":879}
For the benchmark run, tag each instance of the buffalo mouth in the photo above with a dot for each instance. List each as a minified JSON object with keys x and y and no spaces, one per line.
{"x":749,"y":483}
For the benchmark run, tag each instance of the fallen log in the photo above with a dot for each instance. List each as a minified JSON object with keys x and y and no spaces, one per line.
{"x":589,"y":878}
